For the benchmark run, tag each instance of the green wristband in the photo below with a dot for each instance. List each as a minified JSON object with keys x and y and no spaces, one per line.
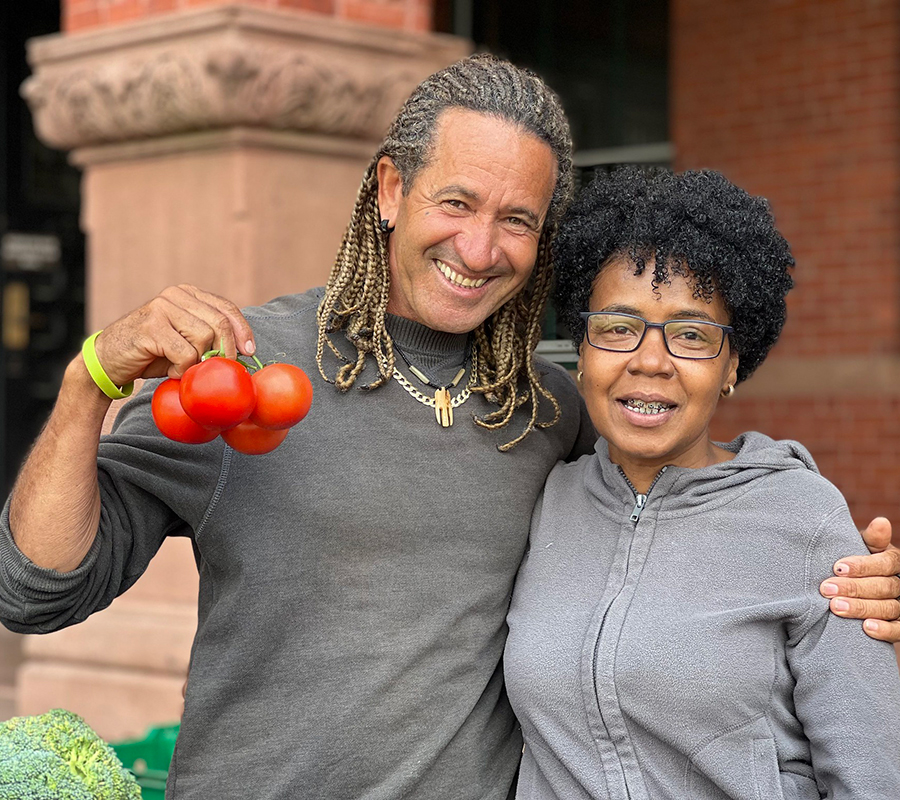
{"x":89,"y":354}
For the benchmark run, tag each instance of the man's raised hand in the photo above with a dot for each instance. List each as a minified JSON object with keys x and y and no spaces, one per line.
{"x":867,"y":587}
{"x":171,"y":333}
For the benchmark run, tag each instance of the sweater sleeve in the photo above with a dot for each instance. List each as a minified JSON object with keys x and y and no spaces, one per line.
{"x":150,"y":488}
{"x":587,"y":434}
{"x":847,"y":691}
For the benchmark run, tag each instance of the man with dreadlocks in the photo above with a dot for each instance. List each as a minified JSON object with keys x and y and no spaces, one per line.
{"x":354,"y":583}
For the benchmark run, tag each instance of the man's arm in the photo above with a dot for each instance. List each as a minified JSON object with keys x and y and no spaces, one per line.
{"x":55,"y":504}
{"x":867,"y":587}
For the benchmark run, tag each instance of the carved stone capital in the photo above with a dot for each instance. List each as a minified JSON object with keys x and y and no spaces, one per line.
{"x":225,"y":67}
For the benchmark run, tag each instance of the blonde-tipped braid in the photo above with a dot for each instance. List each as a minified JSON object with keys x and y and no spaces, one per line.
{"x":356,"y":297}
{"x":515,"y":338}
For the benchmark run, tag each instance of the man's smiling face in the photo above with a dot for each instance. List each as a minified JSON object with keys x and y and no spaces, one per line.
{"x":466,"y":233}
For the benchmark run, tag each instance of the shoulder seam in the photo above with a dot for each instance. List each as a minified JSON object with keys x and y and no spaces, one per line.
{"x":807,"y":564}
{"x":310,"y":307}
{"x":296,"y":313}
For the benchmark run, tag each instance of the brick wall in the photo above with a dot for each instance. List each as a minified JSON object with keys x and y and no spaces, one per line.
{"x":854,"y":442}
{"x":408,"y":15}
{"x":799,"y":100}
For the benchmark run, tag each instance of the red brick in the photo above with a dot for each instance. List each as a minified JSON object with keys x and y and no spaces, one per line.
{"x":126,"y":10}
{"x":318,"y":6}
{"x":195,"y":3}
{"x":162,"y":6}
{"x":76,"y":21}
{"x":384,"y":13}
{"x":79,"y":5}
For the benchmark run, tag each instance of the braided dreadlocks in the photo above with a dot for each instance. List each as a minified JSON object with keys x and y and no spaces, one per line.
{"x":358,"y":289}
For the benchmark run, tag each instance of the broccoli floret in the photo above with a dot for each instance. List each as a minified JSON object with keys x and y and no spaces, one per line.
{"x":58,"y":756}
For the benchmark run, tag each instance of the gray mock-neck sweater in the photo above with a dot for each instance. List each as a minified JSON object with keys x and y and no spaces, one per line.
{"x":687,"y":654}
{"x":353,"y":583}
{"x":438,"y":355}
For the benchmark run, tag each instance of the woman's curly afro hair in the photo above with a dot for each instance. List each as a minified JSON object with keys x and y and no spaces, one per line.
{"x":695,"y":224}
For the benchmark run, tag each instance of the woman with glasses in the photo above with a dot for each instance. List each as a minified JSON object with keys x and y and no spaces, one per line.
{"x":628,"y":680}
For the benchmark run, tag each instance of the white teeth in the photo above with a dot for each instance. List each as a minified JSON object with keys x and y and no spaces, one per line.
{"x":647,"y":408}
{"x":459,"y":280}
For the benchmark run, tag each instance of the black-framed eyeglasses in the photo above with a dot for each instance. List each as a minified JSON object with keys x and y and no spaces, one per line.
{"x":685,"y":338}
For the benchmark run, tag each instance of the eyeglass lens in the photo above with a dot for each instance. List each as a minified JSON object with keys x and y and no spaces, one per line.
{"x":687,"y":338}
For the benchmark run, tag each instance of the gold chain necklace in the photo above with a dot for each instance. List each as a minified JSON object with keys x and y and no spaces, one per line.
{"x":442,"y":403}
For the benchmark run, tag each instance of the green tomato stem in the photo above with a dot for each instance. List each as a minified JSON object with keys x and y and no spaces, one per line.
{"x":256,"y":367}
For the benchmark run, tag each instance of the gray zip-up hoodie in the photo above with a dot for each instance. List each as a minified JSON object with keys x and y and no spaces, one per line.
{"x":678,"y":647}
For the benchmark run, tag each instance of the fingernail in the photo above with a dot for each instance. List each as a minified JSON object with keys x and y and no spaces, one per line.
{"x":249,"y":348}
{"x":841,"y":605}
{"x":870,"y":625}
{"x":830,"y":589}
{"x":841,"y":569}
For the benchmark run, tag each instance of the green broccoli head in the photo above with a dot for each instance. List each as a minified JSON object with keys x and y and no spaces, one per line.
{"x":57,"y":756}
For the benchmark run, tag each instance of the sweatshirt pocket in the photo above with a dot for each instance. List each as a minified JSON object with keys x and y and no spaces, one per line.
{"x":767,"y":776}
{"x":741,"y":764}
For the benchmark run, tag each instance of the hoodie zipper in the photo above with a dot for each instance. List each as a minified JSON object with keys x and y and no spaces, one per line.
{"x":640,"y":500}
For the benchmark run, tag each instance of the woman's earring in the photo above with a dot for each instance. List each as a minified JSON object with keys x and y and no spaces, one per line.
{"x":578,"y":376}
{"x":386,"y":226}
{"x":728,"y":390}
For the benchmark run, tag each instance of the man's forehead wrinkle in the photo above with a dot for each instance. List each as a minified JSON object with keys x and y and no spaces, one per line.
{"x":458,"y":189}
{"x":533,"y":206}
{"x":464,"y":161}
{"x":516,"y":205}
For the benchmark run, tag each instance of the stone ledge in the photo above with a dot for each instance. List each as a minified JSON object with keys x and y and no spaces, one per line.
{"x":827,"y":376}
{"x":226,"y":139}
{"x":152,"y":638}
{"x":118,"y":704}
{"x":294,"y":23}
{"x":7,"y":702}
{"x":223,"y":67}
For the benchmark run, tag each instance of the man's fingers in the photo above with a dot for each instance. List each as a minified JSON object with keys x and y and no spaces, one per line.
{"x":883,"y":610}
{"x":877,"y":535}
{"x":182,"y":350}
{"x":158,"y":330}
{"x":186,"y":306}
{"x":886,"y":563}
{"x":224,"y":316}
{"x":867,"y":588}
{"x":171,"y":333}
{"x":885,"y":631}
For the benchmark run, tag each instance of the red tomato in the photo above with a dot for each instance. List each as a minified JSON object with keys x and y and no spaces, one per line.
{"x":283,"y":396}
{"x":253,"y":440}
{"x":171,"y":418}
{"x":217,"y":393}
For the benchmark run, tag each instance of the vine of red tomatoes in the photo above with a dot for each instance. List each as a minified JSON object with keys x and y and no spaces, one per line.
{"x":252,"y":407}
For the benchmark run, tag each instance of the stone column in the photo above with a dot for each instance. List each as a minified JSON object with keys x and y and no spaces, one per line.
{"x":222,"y":147}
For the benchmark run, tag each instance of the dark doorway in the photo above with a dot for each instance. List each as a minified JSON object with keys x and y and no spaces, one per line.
{"x":41,"y":249}
{"x":607,"y":59}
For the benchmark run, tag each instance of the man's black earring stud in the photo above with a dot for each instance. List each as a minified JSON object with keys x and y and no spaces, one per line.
{"x":386,"y":226}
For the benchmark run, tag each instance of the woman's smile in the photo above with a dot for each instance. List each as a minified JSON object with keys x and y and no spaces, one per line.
{"x":647,"y":411}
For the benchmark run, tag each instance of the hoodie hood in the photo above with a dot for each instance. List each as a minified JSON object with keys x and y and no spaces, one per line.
{"x":756,"y":456}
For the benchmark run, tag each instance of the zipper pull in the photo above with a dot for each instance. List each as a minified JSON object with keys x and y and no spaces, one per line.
{"x":639,"y":500}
